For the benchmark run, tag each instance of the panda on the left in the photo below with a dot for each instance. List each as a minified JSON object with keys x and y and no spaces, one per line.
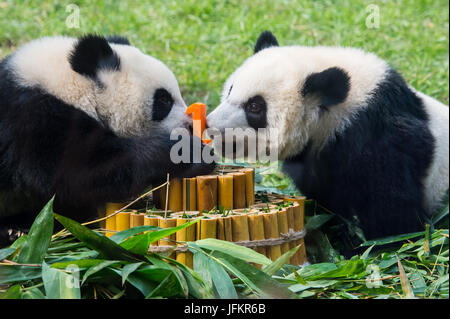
{"x":88,"y":120}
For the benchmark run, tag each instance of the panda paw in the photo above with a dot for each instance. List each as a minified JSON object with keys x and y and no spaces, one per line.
{"x":10,"y":235}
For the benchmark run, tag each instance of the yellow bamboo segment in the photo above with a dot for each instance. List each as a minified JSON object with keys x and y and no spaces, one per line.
{"x":239,"y":226}
{"x":136,"y":219}
{"x":167,"y":223}
{"x":299,"y":210}
{"x":185,"y":214}
{"x":256,"y":230}
{"x":290,"y":217}
{"x":283,"y":227}
{"x":206,"y":192}
{"x":207,"y":228}
{"x":110,"y":223}
{"x":190,"y":194}
{"x":224,"y":228}
{"x":152,"y":220}
{"x":239,"y":198}
{"x":225,"y":191}
{"x":183,"y":235}
{"x":123,"y":220}
{"x":249,"y":185}
{"x":271,"y":231}
{"x":175,"y":195}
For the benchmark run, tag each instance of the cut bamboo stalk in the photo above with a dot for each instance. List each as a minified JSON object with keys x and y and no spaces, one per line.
{"x":299,"y":209}
{"x":290,"y":217}
{"x":239,"y":226}
{"x":256,"y":230}
{"x":206,"y":192}
{"x":190,"y":194}
{"x":123,"y":220}
{"x":225,"y":191}
{"x":249,"y":185}
{"x":224,"y":228}
{"x":185,"y":214}
{"x":283,"y":227}
{"x":136,"y":219}
{"x":152,"y":220}
{"x":239,"y":198}
{"x":110,"y":223}
{"x":167,"y":223}
{"x":207,"y":228}
{"x":183,"y":235}
{"x":271,"y":231}
{"x":175,"y":195}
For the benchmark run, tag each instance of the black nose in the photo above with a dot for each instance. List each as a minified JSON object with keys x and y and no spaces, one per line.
{"x":189,"y":128}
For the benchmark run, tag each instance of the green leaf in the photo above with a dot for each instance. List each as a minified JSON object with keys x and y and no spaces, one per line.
{"x":18,"y":273}
{"x":38,"y":239}
{"x":391,"y":239}
{"x":316,"y":221}
{"x":138,"y":244}
{"x":128,"y":269}
{"x":12,"y":293}
{"x":312,"y":284}
{"x":222,"y":281}
{"x":201,"y":267}
{"x":279,"y":262}
{"x":82,"y":264}
{"x":314,"y":270}
{"x":33,"y":293}
{"x":237,"y":251}
{"x":166,"y":232}
{"x":127,"y":233}
{"x":100,"y":243}
{"x":60,"y":285}
{"x":6,"y":252}
{"x":97,"y":268}
{"x":252,"y":277}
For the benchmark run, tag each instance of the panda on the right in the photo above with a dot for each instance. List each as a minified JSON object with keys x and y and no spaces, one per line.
{"x":353,"y":135}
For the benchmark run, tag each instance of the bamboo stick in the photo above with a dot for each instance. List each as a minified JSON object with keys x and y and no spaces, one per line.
{"x":256,"y":230}
{"x":225,"y":191}
{"x":184,"y":235}
{"x":239,"y":226}
{"x":167,"y":223}
{"x":152,"y":220}
{"x":175,"y":195}
{"x":123,"y":220}
{"x":110,"y":223}
{"x":249,"y":185}
{"x":299,"y":209}
{"x":136,"y":219}
{"x":239,"y":198}
{"x":271,"y":231}
{"x":207,"y":228}
{"x":283,"y":227}
{"x":224,"y":228}
{"x":190,"y":194}
{"x":290,"y":217}
{"x":206,"y":192}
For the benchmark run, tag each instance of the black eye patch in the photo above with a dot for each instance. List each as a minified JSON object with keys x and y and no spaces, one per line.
{"x":256,"y":112}
{"x":162,"y":104}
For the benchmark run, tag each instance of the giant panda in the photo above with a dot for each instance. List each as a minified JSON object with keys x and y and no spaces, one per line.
{"x":87,"y":119}
{"x":353,"y":135}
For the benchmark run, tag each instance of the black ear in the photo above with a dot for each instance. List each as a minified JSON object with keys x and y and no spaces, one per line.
{"x":92,"y":53}
{"x":331,"y":85}
{"x":265,"y":40}
{"x":118,"y":39}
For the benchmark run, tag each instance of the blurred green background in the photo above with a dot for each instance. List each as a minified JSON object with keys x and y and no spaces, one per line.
{"x":204,"y":41}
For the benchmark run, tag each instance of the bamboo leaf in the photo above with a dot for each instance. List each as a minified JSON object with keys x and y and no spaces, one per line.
{"x":100,"y":243}
{"x":97,"y":268}
{"x":12,"y":293}
{"x":128,"y":269}
{"x":34,"y":293}
{"x":127,"y":233}
{"x":38,"y":239}
{"x":60,"y":285}
{"x":406,"y":287}
{"x":222,"y":282}
{"x":280,"y":262}
{"x":237,"y":251}
{"x":17,"y":273}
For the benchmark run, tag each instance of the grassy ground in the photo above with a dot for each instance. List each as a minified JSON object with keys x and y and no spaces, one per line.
{"x":204,"y":41}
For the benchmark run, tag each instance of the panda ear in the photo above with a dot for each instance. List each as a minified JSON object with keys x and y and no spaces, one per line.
{"x":92,"y":53}
{"x":332,"y":86}
{"x":118,"y":39}
{"x":265,"y":40}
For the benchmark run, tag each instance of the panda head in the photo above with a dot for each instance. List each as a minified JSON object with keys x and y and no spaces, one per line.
{"x":132,"y":93}
{"x":307,"y":94}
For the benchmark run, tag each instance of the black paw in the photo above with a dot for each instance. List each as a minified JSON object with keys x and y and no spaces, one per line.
{"x":9,"y":235}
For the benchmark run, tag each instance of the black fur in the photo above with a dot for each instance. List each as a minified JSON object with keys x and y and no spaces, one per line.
{"x":117,"y":39}
{"x":332,"y":86}
{"x":162,"y":104}
{"x":92,"y":53}
{"x":265,"y":40}
{"x":374,"y":169}
{"x":48,"y":147}
{"x":256,"y":112}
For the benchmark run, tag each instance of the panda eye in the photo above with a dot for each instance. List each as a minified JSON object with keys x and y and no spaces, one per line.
{"x":162,"y":104}
{"x":254,"y":107}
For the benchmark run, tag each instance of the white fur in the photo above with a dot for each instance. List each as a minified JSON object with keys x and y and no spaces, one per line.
{"x":278,"y":74}
{"x":126,"y":98}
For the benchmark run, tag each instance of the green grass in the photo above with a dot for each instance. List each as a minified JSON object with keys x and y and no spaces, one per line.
{"x":204,"y":41}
